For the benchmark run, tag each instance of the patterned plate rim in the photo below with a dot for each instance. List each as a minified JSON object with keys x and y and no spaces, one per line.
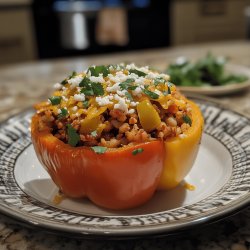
{"x":234,"y":135}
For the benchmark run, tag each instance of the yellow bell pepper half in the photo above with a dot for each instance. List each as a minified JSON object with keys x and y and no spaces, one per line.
{"x":181,"y":152}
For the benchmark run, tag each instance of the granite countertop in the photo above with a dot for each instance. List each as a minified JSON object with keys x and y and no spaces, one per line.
{"x":25,"y":84}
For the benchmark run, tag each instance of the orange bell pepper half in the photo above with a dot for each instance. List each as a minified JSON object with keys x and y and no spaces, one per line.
{"x":116,"y":179}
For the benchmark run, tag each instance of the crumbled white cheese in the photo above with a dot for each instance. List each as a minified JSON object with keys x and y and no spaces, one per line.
{"x":131,"y":111}
{"x":59,"y":111}
{"x":118,"y":77}
{"x":57,"y":86}
{"x":97,"y":79}
{"x":152,"y":75}
{"x":113,"y":88}
{"x":140,"y":81}
{"x":121,"y":104}
{"x":75,"y":108}
{"x":144,"y":69}
{"x":130,"y":66}
{"x":134,"y":104}
{"x":137,"y":91}
{"x":102,"y":101}
{"x":74,"y":81}
{"x":164,"y":76}
{"x":182,"y":136}
{"x":65,"y":98}
{"x":158,"y":92}
{"x":121,"y":92}
{"x":79,"y":97}
{"x":133,"y":75}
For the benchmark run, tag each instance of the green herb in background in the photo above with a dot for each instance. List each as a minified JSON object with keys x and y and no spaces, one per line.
{"x":209,"y":70}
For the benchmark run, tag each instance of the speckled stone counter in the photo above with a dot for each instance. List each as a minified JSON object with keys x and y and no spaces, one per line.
{"x":23,"y":85}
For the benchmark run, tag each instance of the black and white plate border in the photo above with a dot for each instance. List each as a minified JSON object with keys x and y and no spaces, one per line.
{"x":228,"y":127}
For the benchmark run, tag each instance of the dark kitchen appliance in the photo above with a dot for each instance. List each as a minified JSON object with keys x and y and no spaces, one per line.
{"x":148,"y":26}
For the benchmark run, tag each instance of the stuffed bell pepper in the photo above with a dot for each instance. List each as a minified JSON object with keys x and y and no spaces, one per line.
{"x":115,"y":134}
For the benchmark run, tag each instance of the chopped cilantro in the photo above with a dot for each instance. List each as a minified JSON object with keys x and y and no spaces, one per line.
{"x":129,"y":96}
{"x":85,"y":104}
{"x":64,"y":113}
{"x":95,"y":71}
{"x":65,"y":81}
{"x":85,"y":82}
{"x":97,"y":88}
{"x":91,"y":88}
{"x":55,"y":100}
{"x":170,"y":84}
{"x":73,"y":74}
{"x":137,"y":72}
{"x":150,"y":94}
{"x":99,"y":149}
{"x":165,"y":93}
{"x":74,"y":137}
{"x":127,"y":85}
{"x":94,"y":133}
{"x":87,"y":91}
{"x":187,"y":119}
{"x":169,"y":90}
{"x":137,"y":151}
{"x":132,"y":87}
{"x":158,"y":81}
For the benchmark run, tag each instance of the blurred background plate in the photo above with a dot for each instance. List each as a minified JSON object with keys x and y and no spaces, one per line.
{"x":226,"y":89}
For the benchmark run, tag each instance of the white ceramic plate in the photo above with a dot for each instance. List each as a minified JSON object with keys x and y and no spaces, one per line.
{"x":221,"y":176}
{"x":222,"y":90}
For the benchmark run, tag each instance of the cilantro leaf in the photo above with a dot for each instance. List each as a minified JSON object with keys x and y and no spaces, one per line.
{"x":127,"y":84}
{"x":85,"y":82}
{"x":187,"y":119}
{"x":55,"y":100}
{"x":65,"y":81}
{"x":63,"y":114}
{"x":99,"y":149}
{"x":85,"y":104}
{"x":165,"y":93}
{"x":74,"y":137}
{"x":87,"y":91}
{"x":73,"y":74}
{"x":159,"y":80}
{"x":129,"y":96}
{"x":91,"y":88}
{"x":137,"y":72}
{"x":97,"y":88}
{"x":137,"y":151}
{"x":96,"y":70}
{"x":150,"y":94}
{"x":94,"y":133}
